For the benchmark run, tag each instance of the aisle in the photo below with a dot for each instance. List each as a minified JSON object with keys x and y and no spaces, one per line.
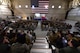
{"x":40,"y":45}
{"x":38,"y":30}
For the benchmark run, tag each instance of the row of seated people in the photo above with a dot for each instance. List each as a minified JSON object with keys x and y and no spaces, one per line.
{"x":55,"y":25}
{"x":60,"y":25}
{"x":16,"y":41}
{"x":3,"y":24}
{"x":65,"y":42}
{"x":24,"y":24}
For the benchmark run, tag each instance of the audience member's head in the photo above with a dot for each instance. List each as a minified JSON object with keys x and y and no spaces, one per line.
{"x":69,"y":36}
{"x":74,"y":42}
{"x":4,"y":39}
{"x":21,"y":39}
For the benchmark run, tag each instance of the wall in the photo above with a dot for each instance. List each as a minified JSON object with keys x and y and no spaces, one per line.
{"x":74,"y":14}
{"x":4,"y":9}
{"x":58,"y":13}
{"x":23,"y":11}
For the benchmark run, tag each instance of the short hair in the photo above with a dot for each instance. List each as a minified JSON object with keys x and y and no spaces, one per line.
{"x":21,"y":39}
{"x":75,"y":42}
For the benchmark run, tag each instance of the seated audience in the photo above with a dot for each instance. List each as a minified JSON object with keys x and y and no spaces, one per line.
{"x":20,"y":46}
{"x":72,"y":48}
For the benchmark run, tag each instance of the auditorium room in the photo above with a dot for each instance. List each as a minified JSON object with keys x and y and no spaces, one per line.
{"x":39,"y":26}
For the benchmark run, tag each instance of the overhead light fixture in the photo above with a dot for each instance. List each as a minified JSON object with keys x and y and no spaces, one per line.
{"x":53,"y":6}
{"x":19,"y":6}
{"x":59,"y":6}
{"x":26,"y":6}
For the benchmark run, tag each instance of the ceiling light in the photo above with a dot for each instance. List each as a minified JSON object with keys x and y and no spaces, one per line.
{"x":26,"y":6}
{"x":19,"y":6}
{"x":53,"y":6}
{"x":59,"y":6}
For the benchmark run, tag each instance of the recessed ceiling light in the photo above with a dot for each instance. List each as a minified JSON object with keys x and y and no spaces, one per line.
{"x":26,"y":6}
{"x":19,"y":6}
{"x":53,"y":6}
{"x":59,"y":6}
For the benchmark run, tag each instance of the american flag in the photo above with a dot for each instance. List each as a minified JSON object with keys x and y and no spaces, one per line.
{"x":43,"y":7}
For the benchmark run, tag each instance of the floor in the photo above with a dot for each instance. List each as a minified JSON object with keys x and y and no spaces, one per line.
{"x":38,"y":30}
{"x":40,"y":45}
